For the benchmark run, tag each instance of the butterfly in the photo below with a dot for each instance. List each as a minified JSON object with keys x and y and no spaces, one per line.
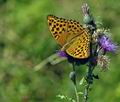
{"x":71,"y":36}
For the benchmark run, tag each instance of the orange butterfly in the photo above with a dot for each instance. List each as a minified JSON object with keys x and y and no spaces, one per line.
{"x":71,"y":36}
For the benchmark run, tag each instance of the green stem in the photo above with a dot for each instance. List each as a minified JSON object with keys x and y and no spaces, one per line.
{"x":89,"y":82}
{"x":74,"y":82}
{"x":76,"y":92}
{"x":86,"y":92}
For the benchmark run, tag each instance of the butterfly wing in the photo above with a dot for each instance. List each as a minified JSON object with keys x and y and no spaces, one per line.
{"x":63,"y":30}
{"x":74,"y":29}
{"x":73,"y":38}
{"x":58,"y":28}
{"x":80,"y":47}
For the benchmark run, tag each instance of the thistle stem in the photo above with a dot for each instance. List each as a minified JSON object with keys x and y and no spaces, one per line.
{"x":86,"y":92}
{"x":75,"y":86}
{"x":73,"y":78}
{"x":76,"y":92}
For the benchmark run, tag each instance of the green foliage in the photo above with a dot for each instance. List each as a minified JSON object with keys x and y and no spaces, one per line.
{"x":62,"y":97}
{"x":25,"y":41}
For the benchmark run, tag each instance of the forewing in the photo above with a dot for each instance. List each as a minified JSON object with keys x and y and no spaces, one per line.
{"x":58,"y":28}
{"x":64,"y":30}
{"x":74,"y":29}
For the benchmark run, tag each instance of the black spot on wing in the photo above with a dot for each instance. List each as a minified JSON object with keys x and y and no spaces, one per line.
{"x":57,"y":28}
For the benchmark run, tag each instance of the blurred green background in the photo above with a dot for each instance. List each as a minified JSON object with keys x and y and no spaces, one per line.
{"x":25,"y":41}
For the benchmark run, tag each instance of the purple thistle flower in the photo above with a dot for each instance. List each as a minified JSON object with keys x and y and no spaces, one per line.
{"x":107,"y":44}
{"x":62,"y":54}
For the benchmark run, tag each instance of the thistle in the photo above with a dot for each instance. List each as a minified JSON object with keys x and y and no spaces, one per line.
{"x":100,"y":45}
